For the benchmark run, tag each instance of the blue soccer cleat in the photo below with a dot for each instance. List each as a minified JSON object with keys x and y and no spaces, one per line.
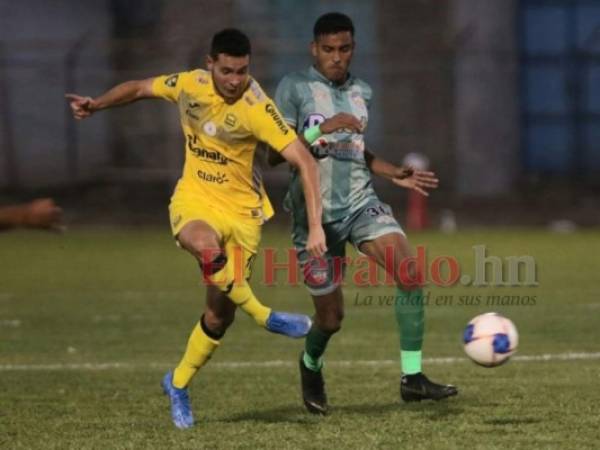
{"x":289,"y":324}
{"x":181,"y":410}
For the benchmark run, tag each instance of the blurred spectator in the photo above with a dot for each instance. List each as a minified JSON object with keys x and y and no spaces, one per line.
{"x":39,"y":213}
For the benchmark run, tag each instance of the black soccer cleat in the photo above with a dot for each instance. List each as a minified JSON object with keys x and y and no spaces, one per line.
{"x":417,"y":387}
{"x":313,"y":389}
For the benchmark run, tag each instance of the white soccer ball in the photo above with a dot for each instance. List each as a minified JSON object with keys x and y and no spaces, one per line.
{"x":490,"y":339}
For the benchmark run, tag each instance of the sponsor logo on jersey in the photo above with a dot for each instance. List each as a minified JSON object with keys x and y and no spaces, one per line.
{"x":272,"y":111}
{"x":172,"y":80}
{"x":209,"y":155}
{"x":212,"y":156}
{"x":218,"y":178}
{"x":230,"y":120}
{"x":312,"y":120}
{"x":352,"y":149}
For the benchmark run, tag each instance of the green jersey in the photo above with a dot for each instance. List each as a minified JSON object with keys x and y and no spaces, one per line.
{"x":306,"y":99}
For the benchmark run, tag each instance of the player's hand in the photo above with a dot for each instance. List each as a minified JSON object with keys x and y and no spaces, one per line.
{"x":341,"y":122}
{"x":81,"y":107}
{"x":43,"y":213}
{"x":315,"y":244}
{"x":419,"y":180}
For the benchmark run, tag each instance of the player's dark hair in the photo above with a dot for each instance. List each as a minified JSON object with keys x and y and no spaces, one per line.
{"x":230,"y":41}
{"x":332,"y":23}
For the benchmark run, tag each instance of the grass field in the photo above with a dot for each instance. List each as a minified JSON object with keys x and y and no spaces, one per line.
{"x":90,"y":321}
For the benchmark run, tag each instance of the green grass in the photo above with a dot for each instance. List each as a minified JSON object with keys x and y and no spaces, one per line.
{"x":130,"y":296}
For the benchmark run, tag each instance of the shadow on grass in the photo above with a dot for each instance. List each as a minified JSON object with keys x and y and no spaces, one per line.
{"x":512,"y":421}
{"x":287,"y":414}
{"x":297,"y":414}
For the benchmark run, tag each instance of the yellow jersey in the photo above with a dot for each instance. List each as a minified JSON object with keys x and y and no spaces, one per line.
{"x":221,"y":141}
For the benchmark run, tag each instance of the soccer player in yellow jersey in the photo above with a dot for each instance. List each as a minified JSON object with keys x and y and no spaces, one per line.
{"x":219,"y":203}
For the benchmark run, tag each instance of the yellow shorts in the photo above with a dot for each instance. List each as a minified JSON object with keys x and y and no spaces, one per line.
{"x":239,"y":235}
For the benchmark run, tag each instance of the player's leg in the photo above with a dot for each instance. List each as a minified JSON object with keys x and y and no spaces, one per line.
{"x":229,"y":268}
{"x":202,"y":241}
{"x":322,"y":277}
{"x":203,"y":341}
{"x":389,"y":250}
{"x":329,"y":313}
{"x":205,"y":337}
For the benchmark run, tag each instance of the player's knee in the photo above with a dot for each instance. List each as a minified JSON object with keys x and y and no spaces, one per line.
{"x":409,"y":278}
{"x":216,"y":324}
{"x":210,"y":258}
{"x":332,"y":322}
{"x":202,"y":246}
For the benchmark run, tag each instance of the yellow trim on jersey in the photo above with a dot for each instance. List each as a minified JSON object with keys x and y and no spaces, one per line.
{"x":221,"y":140}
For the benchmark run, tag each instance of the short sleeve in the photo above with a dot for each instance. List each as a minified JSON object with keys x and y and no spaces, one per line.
{"x":268,"y":126}
{"x":168,"y":87}
{"x":286,"y":100}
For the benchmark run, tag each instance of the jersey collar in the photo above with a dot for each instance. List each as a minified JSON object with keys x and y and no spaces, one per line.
{"x":319,"y":76}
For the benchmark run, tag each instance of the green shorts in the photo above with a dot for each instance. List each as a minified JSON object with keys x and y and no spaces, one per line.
{"x":323,"y":275}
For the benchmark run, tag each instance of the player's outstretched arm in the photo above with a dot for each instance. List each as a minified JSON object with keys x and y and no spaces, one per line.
{"x":406,"y":177}
{"x":298,"y":156}
{"x":121,"y":94}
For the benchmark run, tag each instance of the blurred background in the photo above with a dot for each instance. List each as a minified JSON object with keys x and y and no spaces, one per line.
{"x":501,"y":96}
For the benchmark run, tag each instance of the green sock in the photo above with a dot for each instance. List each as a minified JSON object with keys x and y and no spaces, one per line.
{"x":314,"y":347}
{"x":410,"y":316}
{"x":411,"y":361}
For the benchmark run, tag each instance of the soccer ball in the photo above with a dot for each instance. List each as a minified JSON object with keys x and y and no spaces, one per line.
{"x":490,"y":339}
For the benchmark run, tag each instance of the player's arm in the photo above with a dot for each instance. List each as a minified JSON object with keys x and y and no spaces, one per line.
{"x":298,"y":156}
{"x":41,"y":213}
{"x":341,"y":121}
{"x":406,"y":177}
{"x":121,"y":94}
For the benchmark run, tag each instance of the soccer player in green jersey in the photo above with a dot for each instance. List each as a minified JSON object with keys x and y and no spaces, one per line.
{"x":352,"y":211}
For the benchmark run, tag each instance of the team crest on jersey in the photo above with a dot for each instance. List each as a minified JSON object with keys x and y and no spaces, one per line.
{"x":172,"y":80}
{"x":210,"y":128}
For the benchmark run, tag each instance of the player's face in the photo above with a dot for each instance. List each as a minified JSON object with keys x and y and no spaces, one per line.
{"x":230,"y":75}
{"x":332,"y":54}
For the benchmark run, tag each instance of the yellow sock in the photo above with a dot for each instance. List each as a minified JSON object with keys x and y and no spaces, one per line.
{"x":243,"y":296}
{"x":199,"y":350}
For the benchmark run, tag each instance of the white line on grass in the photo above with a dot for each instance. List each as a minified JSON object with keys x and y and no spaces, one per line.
{"x":283,"y":363}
